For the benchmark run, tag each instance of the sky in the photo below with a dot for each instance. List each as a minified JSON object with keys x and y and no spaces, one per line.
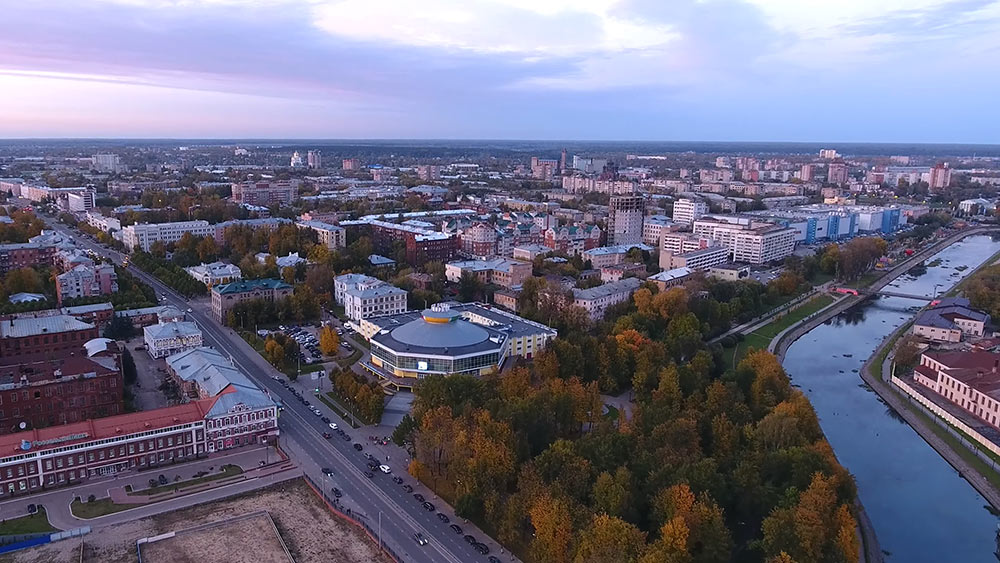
{"x":724,"y":70}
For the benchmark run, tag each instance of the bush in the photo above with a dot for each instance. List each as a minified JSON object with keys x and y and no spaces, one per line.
{"x":91,"y":498}
{"x":728,"y":341}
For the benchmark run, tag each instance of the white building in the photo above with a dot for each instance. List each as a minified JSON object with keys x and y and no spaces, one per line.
{"x":80,"y":202}
{"x":701,"y":259}
{"x":292,"y":260}
{"x":686,"y":211}
{"x":749,"y":241}
{"x":626,"y":213}
{"x":529,"y":252}
{"x":596,"y":300}
{"x":215,"y":273}
{"x":610,"y":255}
{"x":106,"y":224}
{"x":142,"y":236}
{"x":653,"y":227}
{"x":165,"y":339}
{"x":332,"y":236}
{"x":111,"y":163}
{"x":364,"y":296}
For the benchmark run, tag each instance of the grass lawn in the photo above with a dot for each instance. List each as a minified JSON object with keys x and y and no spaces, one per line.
{"x":867,"y":279}
{"x":100,"y":507}
{"x":762,"y":337}
{"x":341,"y":412}
{"x":31,"y":524}
{"x":612,"y":413}
{"x":228,"y":470}
{"x":347,"y":362}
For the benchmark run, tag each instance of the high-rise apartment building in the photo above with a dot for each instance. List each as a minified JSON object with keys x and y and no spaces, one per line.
{"x":543,"y":168}
{"x":625,"y":219}
{"x":806,"y":173}
{"x":314,"y":159}
{"x":939,"y":176}
{"x":351,"y":164}
{"x":686,"y":211}
{"x":142,"y":235}
{"x":836,"y":173}
{"x":281,"y":192}
{"x":110,"y":163}
{"x":754,"y":242}
{"x":828,"y":154}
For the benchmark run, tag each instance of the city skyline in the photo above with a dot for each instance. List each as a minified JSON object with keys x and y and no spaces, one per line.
{"x":740,"y":70}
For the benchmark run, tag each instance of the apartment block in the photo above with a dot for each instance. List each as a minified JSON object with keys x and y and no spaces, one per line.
{"x":266,"y":193}
{"x":228,"y":295}
{"x":86,"y":281}
{"x":332,"y":236}
{"x":499,"y":271}
{"x":142,"y":236}
{"x":364,"y":297}
{"x":596,"y":300}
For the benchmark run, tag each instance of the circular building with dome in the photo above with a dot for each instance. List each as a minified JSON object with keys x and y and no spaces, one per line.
{"x":439,"y":342}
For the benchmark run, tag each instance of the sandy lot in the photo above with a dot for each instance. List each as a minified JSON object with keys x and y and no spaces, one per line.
{"x":311,"y":532}
{"x":250,"y":540}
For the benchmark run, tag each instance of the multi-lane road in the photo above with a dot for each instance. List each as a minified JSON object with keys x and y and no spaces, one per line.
{"x":383,"y":504}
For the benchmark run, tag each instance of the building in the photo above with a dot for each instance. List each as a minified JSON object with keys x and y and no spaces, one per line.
{"x":80,"y":202}
{"x":314,"y":159}
{"x":749,"y":241}
{"x":702,"y":259}
{"x":543,"y":168}
{"x":86,"y":281}
{"x":215,"y":273}
{"x":164,"y":339}
{"x":610,"y":255}
{"x":670,"y":278}
{"x":332,"y":236}
{"x":108,"y":163}
{"x":351,"y":164}
{"x":596,"y":300}
{"x":836,"y":173}
{"x":142,"y":236}
{"x":422,"y":244}
{"x":479,"y":240}
{"x":968,"y":379}
{"x":672,"y":243}
{"x":228,"y":295}
{"x":45,"y":335}
{"x":266,"y":193}
{"x":106,"y":224}
{"x":587,"y":184}
{"x":625,"y":218}
{"x":292,"y":260}
{"x":939,"y":177}
{"x":729,"y":272}
{"x":589,"y":164}
{"x":653,"y":227}
{"x":59,"y":391}
{"x":151,"y":315}
{"x":828,"y":154}
{"x":14,"y":256}
{"x":572,"y":240}
{"x":806,"y":173}
{"x":467,"y":338}
{"x":529,"y":252}
{"x":260,"y":223}
{"x":619,"y":271}
{"x":429,"y":172}
{"x":949,"y":320}
{"x":296,"y":160}
{"x":74,"y":453}
{"x":364,"y":296}
{"x":686,"y":211}
{"x":498,"y":271}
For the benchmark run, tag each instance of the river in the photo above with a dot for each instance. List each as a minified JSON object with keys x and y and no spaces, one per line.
{"x":922,"y":510}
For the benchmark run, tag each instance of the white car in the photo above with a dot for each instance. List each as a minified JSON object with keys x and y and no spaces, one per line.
{"x":190,"y":310}
{"x":317,"y":413}
{"x":384,"y":469}
{"x":333,"y":426}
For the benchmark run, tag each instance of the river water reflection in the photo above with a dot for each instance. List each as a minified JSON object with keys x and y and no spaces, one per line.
{"x":921,"y":508}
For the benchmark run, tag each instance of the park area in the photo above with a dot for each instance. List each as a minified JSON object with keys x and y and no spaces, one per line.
{"x":762,"y":337}
{"x":302,"y":523}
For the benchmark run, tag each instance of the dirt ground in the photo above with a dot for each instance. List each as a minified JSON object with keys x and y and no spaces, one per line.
{"x":147,"y":393}
{"x":251,"y":540}
{"x":310,"y":531}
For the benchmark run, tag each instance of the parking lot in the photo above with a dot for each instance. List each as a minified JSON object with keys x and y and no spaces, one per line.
{"x":307,"y":336}
{"x":149,"y":375}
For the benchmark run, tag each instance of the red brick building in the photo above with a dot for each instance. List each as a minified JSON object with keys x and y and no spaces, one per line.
{"x":43,"y":336}
{"x":55,"y":392}
{"x":25,"y":255}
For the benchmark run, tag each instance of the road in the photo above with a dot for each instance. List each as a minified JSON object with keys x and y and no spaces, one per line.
{"x":375,"y":499}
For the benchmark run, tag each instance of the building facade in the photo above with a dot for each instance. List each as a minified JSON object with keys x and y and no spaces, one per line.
{"x":626,"y":214}
{"x":686,"y":211}
{"x":87,"y":281}
{"x":228,"y":295}
{"x":25,"y":337}
{"x":499,"y":271}
{"x":215,"y":273}
{"x":164,"y":339}
{"x":332,"y":236}
{"x":142,"y":236}
{"x":596,"y":300}
{"x":265,"y":193}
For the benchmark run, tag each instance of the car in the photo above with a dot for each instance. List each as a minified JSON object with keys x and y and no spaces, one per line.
{"x":443,"y":517}
{"x":32,"y":509}
{"x":325,"y":419}
{"x":428,"y":506}
{"x":317,"y":412}
{"x":493,"y":559}
{"x":469,"y":538}
{"x":327,"y":435}
{"x":369,"y":456}
{"x":327,"y":471}
{"x":336,"y":492}
{"x":358,"y":446}
{"x":456,"y":528}
{"x":385,"y":468}
{"x":333,"y":425}
{"x":162,"y":479}
{"x":369,"y":474}
{"x":190,"y":310}
{"x":419,"y":497}
{"x":421,"y":540}
{"x":347,"y":437}
{"x":373,"y":465}
{"x":397,"y":480}
{"x":408,"y":488}
{"x":305,"y":402}
{"x":481,"y":548}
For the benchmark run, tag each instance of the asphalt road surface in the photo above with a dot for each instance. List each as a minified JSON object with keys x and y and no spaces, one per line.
{"x":376,"y":499}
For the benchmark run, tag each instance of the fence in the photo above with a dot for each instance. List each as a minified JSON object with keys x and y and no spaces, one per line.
{"x":950,"y":422}
{"x":334,"y":504}
{"x":41,"y":539}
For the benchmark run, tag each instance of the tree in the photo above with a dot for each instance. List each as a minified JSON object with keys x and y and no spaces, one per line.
{"x":274,"y":352}
{"x":610,"y":540}
{"x":612,"y":492}
{"x":128,"y":368}
{"x":119,"y":328}
{"x":23,"y":280}
{"x":288,"y":275}
{"x":207,"y":249}
{"x":469,"y":287}
{"x":329,"y":341}
{"x":553,"y":526}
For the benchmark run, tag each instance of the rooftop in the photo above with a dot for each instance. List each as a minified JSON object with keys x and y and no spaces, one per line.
{"x":608,"y":289}
{"x":670,"y":275}
{"x":245,"y":286}
{"x":28,"y":326}
{"x":173,"y":329}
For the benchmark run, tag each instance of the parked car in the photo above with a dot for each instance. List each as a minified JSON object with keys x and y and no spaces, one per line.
{"x":419,"y":497}
{"x":408,"y":488}
{"x":336,"y":492}
{"x":493,"y":559}
{"x":333,"y":425}
{"x":327,"y":471}
{"x":481,"y":548}
{"x":327,"y":435}
{"x":385,"y":468}
{"x":327,"y":419}
{"x":358,"y":446}
{"x":163,"y":479}
{"x":397,"y":480}
{"x":369,"y":474}
{"x":456,"y":528}
{"x":428,"y":506}
{"x":469,"y":538}
{"x":443,"y":517}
